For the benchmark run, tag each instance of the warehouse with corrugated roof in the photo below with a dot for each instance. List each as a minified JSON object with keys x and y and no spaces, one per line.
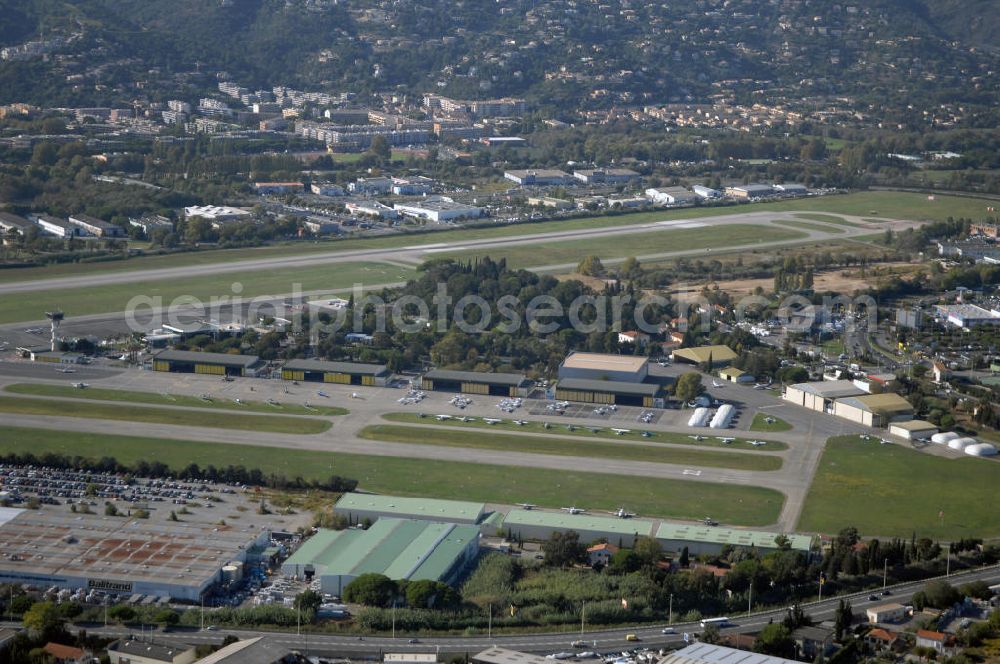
{"x":397,"y":548}
{"x":874,"y":410}
{"x":538,"y":525}
{"x":360,"y":506}
{"x":344,"y":373}
{"x":719,"y":355}
{"x":711,"y":539}
{"x":602,"y":378}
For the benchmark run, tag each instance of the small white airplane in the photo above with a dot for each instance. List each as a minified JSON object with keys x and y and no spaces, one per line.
{"x":770,"y":420}
{"x":696,"y":437}
{"x":622,"y":513}
{"x":716,"y":384}
{"x":573,"y":510}
{"x":570,"y":427}
{"x":492,"y":420}
{"x":272,"y":402}
{"x":865,"y":436}
{"x":526,"y":506}
{"x":757,"y":443}
{"x":205,"y":397}
{"x":355,"y":395}
{"x":66,"y":370}
{"x":80,"y":386}
{"x":725,"y":440}
{"x":322,"y":394}
{"x":646,"y":434}
{"x":442,"y":418}
{"x":466,"y":418}
{"x":709,"y":521}
{"x":885,"y":441}
{"x":520,"y":423}
{"x":622,"y":432}
{"x":761,"y":386}
{"x":237,"y":401}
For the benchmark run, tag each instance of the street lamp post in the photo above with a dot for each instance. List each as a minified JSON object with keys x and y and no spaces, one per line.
{"x":670,"y":615}
{"x":750,"y":598}
{"x":885,"y":572}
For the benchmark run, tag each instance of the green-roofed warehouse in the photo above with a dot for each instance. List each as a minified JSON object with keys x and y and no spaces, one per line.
{"x":538,"y":525}
{"x":397,"y":548}
{"x":707,"y":539}
{"x":360,"y":506}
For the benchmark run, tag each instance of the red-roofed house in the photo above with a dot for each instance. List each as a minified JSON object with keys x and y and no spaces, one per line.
{"x":880,"y":640}
{"x":939,"y":641}
{"x":638,"y":339}
{"x":66,"y":654}
{"x":601,"y":553}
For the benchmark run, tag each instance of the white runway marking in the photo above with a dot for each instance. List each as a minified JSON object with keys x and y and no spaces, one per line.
{"x":688,"y":471}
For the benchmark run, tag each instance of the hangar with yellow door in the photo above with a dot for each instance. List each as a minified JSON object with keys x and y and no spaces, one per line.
{"x":215,"y":364}
{"x":343,"y":373}
{"x":620,"y":393}
{"x":476,"y":382}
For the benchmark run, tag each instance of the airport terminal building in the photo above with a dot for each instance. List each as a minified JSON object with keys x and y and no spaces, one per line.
{"x":343,"y":373}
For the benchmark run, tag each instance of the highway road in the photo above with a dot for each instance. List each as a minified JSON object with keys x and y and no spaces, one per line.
{"x":426,"y":248}
{"x":602,"y":640}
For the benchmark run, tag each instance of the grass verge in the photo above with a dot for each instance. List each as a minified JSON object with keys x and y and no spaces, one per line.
{"x":153,"y":415}
{"x":806,"y":226}
{"x":738,"y":505}
{"x":581,"y":431}
{"x":761,"y":423}
{"x":892,"y":490}
{"x":105,"y":394}
{"x":569,"y":447}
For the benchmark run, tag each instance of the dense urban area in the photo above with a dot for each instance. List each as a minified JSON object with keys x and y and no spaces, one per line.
{"x":499,"y":332}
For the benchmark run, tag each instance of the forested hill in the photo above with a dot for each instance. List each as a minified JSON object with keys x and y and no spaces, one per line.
{"x":591,"y":52}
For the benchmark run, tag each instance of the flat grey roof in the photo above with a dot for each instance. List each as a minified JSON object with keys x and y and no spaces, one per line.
{"x":614,"y":386}
{"x":504,"y":656}
{"x":705,"y":653}
{"x":830,"y":389}
{"x":515,"y":380}
{"x":337,"y":367}
{"x":207,"y":358}
{"x":148,"y":650}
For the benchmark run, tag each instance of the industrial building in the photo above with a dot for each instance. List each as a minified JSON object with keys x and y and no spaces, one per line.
{"x":12,"y":223}
{"x":59,"y":227}
{"x":607,"y":176}
{"x":215,"y":213}
{"x":671,"y":196}
{"x":476,"y":382}
{"x":886,"y":613}
{"x":398,"y":548}
{"x":608,"y":379}
{"x":874,"y":410}
{"x":505,"y":656}
{"x":278,"y":188}
{"x":360,"y":506}
{"x":750,"y":191}
{"x":601,"y":366}
{"x":707,"y":653}
{"x":647,"y":395}
{"x":819,"y":396}
{"x":438,"y":208}
{"x":96,"y":227}
{"x":344,"y":373}
{"x":711,"y":539}
{"x":218,"y":364}
{"x":540,"y":177}
{"x":719,"y":355}
{"x":913,"y":430}
{"x":144,"y":651}
{"x":121,"y":555}
{"x":539,"y":525}
{"x":966,"y":315}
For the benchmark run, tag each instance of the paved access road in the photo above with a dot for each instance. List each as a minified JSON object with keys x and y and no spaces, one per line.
{"x":607,"y":640}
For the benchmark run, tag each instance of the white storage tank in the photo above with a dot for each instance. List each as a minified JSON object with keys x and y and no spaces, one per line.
{"x":944,"y":437}
{"x":698,"y":418}
{"x":232,"y":572}
{"x":961,"y":443}
{"x":981,"y":450}
{"x":722,"y":417}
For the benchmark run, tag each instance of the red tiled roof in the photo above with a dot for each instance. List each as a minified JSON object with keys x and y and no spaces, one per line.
{"x":59,"y":651}
{"x":604,"y":546}
{"x":883,"y":635}
{"x":931,"y":635}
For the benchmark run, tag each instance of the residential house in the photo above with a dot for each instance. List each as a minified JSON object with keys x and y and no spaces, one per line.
{"x":601,"y":553}
{"x":61,"y":654}
{"x":881,"y":640}
{"x":941,"y":643}
{"x":636,"y":338}
{"x":811,"y":641}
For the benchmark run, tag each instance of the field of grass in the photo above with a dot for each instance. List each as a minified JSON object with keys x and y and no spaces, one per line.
{"x":745,"y":506}
{"x":105,"y":394}
{"x":83,"y":301}
{"x":760,"y":423}
{"x":891,"y":490}
{"x":827,"y":219}
{"x":153,"y":415}
{"x":568,"y":447}
{"x":888,"y":204}
{"x":806,"y":226}
{"x":560,"y":428}
{"x":638,"y":244}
